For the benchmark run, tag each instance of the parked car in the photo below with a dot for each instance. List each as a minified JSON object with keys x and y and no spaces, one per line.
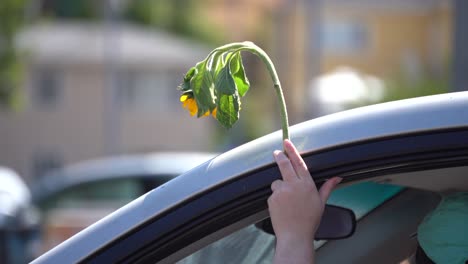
{"x":78,"y":195}
{"x":18,"y":219}
{"x":211,"y":211}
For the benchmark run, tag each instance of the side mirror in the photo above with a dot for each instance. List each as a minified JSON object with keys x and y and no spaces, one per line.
{"x":337,"y":223}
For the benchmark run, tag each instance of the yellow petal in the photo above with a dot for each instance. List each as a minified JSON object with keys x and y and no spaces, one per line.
{"x":184,"y":97}
{"x":192,"y":106}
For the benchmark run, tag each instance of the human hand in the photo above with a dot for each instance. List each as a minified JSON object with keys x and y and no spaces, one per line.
{"x":296,"y":207}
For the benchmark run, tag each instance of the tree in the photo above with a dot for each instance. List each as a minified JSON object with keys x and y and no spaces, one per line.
{"x":74,"y":9}
{"x":181,"y":17}
{"x":11,"y":20}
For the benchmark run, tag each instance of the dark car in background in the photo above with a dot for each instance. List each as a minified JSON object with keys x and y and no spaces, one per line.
{"x":78,"y":195}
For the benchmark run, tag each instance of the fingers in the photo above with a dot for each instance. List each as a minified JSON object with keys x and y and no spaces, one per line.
{"x":327,"y":187}
{"x":276,"y":185}
{"x":297,"y":162}
{"x":284,"y":164}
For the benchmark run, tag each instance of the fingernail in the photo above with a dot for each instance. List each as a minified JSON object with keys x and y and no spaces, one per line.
{"x":276,"y":153}
{"x":338,"y":180}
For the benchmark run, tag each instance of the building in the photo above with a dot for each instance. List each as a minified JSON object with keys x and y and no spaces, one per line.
{"x":409,"y":39}
{"x":406,"y":39}
{"x":91,"y":90}
{"x":385,"y":38}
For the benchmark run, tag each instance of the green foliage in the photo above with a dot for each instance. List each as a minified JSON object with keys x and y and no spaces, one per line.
{"x":182,"y":17}
{"x":148,"y":12}
{"x":225,"y":81}
{"x":11,"y":19}
{"x":400,"y":88}
{"x":76,"y":9}
{"x":238,"y":73}
{"x":218,"y":82}
{"x":228,"y":113}
{"x":202,"y":86}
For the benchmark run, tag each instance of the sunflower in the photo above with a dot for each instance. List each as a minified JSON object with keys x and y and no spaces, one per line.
{"x":189,"y":103}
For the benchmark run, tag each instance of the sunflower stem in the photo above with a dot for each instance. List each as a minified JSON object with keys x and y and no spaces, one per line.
{"x":251,"y":47}
{"x":277,"y":86}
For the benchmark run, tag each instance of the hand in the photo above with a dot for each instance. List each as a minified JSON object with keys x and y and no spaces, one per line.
{"x":296,"y":207}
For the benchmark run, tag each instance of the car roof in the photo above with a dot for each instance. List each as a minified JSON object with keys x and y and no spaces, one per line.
{"x":163,"y":165}
{"x":432,"y":113}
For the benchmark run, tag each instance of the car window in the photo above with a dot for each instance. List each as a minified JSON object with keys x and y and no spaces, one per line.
{"x":248,"y":245}
{"x":116,"y":192}
{"x":252,"y":245}
{"x":363,"y":197}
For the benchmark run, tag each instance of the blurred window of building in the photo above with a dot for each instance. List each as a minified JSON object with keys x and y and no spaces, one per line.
{"x":344,"y":37}
{"x":45,"y":161}
{"x":48,"y":86}
{"x":149,"y":91}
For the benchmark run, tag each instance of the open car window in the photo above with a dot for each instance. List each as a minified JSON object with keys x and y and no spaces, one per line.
{"x":253,"y":245}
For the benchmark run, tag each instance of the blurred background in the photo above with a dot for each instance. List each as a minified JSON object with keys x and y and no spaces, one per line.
{"x":90,"y":80}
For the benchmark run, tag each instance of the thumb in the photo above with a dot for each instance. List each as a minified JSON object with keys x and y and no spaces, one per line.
{"x":328,"y":187}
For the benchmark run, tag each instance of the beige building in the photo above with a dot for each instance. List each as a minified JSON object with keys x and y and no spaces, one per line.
{"x":385,"y":38}
{"x":92,"y":91}
{"x":409,"y":39}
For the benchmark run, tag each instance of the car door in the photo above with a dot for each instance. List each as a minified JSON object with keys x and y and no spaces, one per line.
{"x":389,"y":142}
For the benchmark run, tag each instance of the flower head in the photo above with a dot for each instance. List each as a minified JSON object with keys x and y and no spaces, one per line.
{"x":189,"y":103}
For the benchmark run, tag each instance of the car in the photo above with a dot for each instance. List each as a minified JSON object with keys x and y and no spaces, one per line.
{"x":73,"y":197}
{"x":18,"y":219}
{"x":419,"y":145}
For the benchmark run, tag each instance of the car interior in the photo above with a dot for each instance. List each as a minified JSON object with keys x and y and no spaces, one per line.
{"x":386,"y":234}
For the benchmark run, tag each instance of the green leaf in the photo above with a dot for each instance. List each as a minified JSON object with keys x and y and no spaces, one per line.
{"x":190,"y":74}
{"x":217,"y":63}
{"x":185,"y":85}
{"x":227,"y":57}
{"x":238,"y":73}
{"x":228,"y":109}
{"x":224,"y":83}
{"x":203,"y":89}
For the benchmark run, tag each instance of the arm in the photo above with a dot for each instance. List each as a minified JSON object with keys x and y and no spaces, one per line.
{"x":296,"y":207}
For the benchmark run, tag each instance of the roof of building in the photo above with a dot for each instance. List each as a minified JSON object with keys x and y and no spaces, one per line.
{"x":94,"y":43}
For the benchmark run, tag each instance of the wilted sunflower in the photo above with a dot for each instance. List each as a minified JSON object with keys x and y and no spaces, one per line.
{"x":189,"y":103}
{"x":216,"y":84}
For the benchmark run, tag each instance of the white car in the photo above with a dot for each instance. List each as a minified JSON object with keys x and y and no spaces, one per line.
{"x":18,"y":219}
{"x":208,"y":214}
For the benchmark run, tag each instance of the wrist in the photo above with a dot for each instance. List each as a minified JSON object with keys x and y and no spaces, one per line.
{"x":296,"y":238}
{"x":294,"y":249}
